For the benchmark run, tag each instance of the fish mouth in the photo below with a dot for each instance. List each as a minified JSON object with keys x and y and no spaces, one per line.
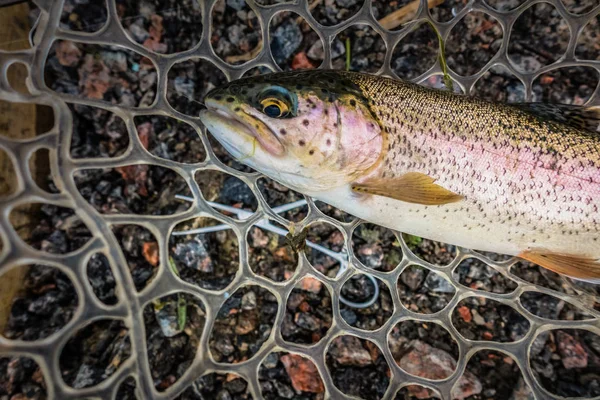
{"x":247,"y":124}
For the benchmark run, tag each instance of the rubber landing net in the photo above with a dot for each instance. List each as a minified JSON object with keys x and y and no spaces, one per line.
{"x":461,"y":297}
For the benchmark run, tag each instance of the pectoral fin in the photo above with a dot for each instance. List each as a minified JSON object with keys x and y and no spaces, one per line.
{"x":412,"y":187}
{"x":565,"y":264}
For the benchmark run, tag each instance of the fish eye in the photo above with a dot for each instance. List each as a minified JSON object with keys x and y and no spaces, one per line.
{"x":277,"y":102}
{"x":274,"y":108}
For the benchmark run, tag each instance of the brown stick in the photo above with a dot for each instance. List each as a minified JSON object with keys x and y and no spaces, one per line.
{"x":405,"y":14}
{"x":246,"y":56}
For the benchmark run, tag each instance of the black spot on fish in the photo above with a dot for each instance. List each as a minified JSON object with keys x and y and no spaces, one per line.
{"x":328,"y":142}
{"x":301,"y":142}
{"x":237,"y":109}
{"x":305,"y":122}
{"x":282,"y":131}
{"x":353,"y":103}
{"x":230,"y":99}
{"x":311,"y":152}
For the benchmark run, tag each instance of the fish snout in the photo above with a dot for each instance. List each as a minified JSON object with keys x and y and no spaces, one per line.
{"x":216,"y":98}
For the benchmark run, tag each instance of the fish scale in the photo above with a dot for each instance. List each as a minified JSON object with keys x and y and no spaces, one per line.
{"x":516,"y":179}
{"x":508,"y":163}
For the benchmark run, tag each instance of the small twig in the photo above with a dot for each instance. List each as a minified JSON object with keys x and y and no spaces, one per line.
{"x":442,"y":56}
{"x":246,"y":56}
{"x":348,"y":55}
{"x":447,"y":80}
{"x":405,"y":14}
{"x":311,"y":7}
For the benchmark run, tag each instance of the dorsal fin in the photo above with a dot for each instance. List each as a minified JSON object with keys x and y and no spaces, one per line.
{"x":587,"y":118}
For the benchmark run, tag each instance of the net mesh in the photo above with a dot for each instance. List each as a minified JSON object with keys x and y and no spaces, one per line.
{"x":130,"y":308}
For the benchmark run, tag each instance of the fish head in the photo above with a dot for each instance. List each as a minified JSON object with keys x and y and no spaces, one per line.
{"x":310,"y":130}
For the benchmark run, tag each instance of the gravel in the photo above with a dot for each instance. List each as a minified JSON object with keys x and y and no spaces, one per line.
{"x":564,"y":361}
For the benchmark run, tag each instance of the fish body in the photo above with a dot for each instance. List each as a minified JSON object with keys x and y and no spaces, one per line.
{"x":514,"y":179}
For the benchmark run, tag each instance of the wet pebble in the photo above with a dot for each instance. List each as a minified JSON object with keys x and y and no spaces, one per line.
{"x":571,"y":351}
{"x":285,"y":40}
{"x":236,"y":385}
{"x":295,"y":300}
{"x":371,"y":255}
{"x":413,"y":277}
{"x":246,"y":323}
{"x":316,"y":51}
{"x":303,"y":374}
{"x":259,"y":238}
{"x":102,"y":279}
{"x":223,"y":395}
{"x":224,"y":346}
{"x":236,"y":4}
{"x":429,"y":362}
{"x":249,"y":301}
{"x":307,"y":321}
{"x":437,"y":283}
{"x":283,"y":390}
{"x":194,"y":254}
{"x":167,"y":317}
{"x":349,"y":316}
{"x":271,"y":361}
{"x":348,"y":350}
{"x":236,"y":191}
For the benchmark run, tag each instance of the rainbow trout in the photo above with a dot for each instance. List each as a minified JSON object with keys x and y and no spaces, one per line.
{"x":519,"y":179}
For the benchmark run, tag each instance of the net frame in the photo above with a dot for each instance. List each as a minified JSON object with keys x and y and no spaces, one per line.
{"x":15,"y":252}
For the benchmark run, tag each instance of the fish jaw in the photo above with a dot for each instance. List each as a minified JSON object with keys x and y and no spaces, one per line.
{"x":234,"y":136}
{"x":240,"y":141}
{"x":244,"y":121}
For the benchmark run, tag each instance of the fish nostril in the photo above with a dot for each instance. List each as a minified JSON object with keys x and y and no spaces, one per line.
{"x":214,"y":94}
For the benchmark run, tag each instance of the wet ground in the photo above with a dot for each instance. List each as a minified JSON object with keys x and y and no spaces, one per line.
{"x":565,"y":361}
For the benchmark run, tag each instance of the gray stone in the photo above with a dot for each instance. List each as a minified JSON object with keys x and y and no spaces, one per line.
{"x":286,"y":39}
{"x":437,"y":283}
{"x":284,"y":390}
{"x":236,"y":4}
{"x":249,"y":301}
